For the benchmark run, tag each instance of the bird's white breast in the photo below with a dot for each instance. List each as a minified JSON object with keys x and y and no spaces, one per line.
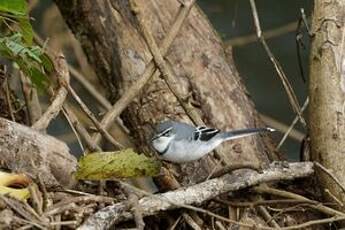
{"x":161,"y":143}
{"x":185,"y":150}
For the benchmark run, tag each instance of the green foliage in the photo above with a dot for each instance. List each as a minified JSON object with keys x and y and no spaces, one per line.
{"x":16,"y":43}
{"x":15,"y":11}
{"x":121,"y":164}
{"x":15,"y":7}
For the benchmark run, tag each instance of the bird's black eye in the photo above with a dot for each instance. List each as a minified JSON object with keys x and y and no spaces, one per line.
{"x":167,"y":133}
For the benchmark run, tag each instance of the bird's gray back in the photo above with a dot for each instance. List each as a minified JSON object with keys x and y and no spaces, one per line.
{"x":185,"y":131}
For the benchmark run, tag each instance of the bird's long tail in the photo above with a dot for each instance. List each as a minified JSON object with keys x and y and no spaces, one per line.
{"x":245,"y":132}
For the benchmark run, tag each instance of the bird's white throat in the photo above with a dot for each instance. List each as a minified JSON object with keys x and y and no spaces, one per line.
{"x":161,"y":143}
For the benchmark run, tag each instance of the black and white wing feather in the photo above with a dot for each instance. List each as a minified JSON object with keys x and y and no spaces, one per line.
{"x":204,"y":134}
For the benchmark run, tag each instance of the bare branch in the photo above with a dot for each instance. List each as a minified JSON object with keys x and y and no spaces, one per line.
{"x":272,"y":33}
{"x":199,"y":193}
{"x":287,"y":86}
{"x":294,"y":122}
{"x":92,"y":117}
{"x":60,"y":97}
{"x":320,"y":207}
{"x":81,"y":129}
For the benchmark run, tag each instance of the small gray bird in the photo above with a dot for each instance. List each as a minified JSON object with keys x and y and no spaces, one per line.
{"x":180,"y":142}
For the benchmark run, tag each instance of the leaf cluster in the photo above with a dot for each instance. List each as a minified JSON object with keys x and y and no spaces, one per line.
{"x":16,"y":43}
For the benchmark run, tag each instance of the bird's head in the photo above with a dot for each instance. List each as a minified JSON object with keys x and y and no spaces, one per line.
{"x":164,"y":134}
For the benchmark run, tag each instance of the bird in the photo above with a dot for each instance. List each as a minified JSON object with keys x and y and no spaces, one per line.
{"x":179,"y":142}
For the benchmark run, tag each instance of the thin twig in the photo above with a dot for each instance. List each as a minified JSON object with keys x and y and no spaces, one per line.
{"x":43,"y":189}
{"x":56,"y":208}
{"x":87,"y":85}
{"x":268,"y":34}
{"x":18,"y":207}
{"x":31,"y":99}
{"x":74,"y":130}
{"x":98,"y":96}
{"x":69,"y":222}
{"x":92,"y":117}
{"x":37,"y":225}
{"x":287,"y":86}
{"x":334,"y":198}
{"x":267,"y":217}
{"x":9,"y":101}
{"x":329,"y":173}
{"x":175,"y":224}
{"x":36,"y":199}
{"x":277,"y":192}
{"x":90,"y":88}
{"x":136,"y":87}
{"x":294,"y":122}
{"x":60,"y":97}
{"x":314,"y":222}
{"x":132,"y":199}
{"x":80,"y":128}
{"x":189,"y":220}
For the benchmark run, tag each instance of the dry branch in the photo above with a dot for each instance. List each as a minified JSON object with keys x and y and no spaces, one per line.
{"x":199,"y":193}
{"x":80,"y":128}
{"x":279,"y":69}
{"x":93,"y":118}
{"x":56,"y":106}
{"x":23,"y":149}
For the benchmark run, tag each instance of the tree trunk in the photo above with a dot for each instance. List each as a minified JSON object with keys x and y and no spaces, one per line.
{"x":327,"y":92}
{"x":119,"y":54}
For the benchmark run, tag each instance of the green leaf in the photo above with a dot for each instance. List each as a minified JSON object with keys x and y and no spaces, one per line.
{"x":26,"y":30}
{"x":16,"y":7}
{"x":121,"y":164}
{"x":47,"y":63}
{"x":30,"y":59}
{"x":38,"y":78}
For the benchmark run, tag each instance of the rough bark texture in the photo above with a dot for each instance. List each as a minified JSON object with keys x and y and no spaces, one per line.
{"x":119,"y":54}
{"x":23,"y":149}
{"x":327,"y":91}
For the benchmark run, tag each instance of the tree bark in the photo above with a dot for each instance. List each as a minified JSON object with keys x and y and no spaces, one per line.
{"x":327,"y":92}
{"x":119,"y":54}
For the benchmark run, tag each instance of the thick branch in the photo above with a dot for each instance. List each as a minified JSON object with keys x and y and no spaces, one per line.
{"x":199,"y":193}
{"x":25,"y":150}
{"x":327,"y":93}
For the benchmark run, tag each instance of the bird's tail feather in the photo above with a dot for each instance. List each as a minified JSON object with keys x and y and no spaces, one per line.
{"x":244,"y":133}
